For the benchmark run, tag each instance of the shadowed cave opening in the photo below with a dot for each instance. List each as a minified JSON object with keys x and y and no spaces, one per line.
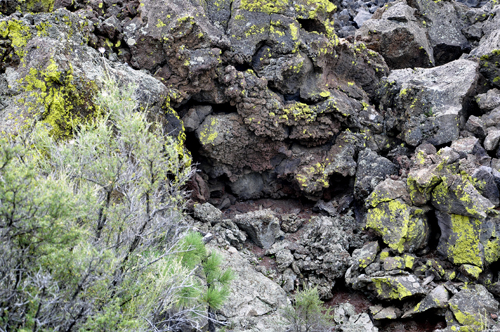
{"x":312,"y":25}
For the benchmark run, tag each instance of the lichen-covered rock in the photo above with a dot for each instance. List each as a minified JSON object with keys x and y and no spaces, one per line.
{"x":437,"y":299}
{"x":460,"y":239}
{"x":393,"y":263}
{"x":366,"y":255}
{"x":255,"y":299}
{"x":402,"y":226}
{"x":455,"y":194}
{"x":262,"y":226}
{"x":32,"y":6}
{"x":489,"y":54}
{"x":398,"y":37}
{"x":313,"y":177}
{"x":426,"y":108}
{"x":472,"y":307}
{"x":484,"y":180}
{"x":421,"y":182}
{"x":397,"y":288}
{"x":387,"y":191}
{"x":55,"y":76}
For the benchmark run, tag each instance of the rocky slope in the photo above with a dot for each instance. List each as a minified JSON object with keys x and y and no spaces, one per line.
{"x":375,"y":157}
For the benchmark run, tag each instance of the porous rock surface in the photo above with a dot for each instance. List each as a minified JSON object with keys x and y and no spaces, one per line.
{"x":382,"y":118}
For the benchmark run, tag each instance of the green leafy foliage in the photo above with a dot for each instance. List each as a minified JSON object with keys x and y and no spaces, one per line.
{"x":213,"y":279}
{"x":90,"y":228}
{"x":307,"y":314}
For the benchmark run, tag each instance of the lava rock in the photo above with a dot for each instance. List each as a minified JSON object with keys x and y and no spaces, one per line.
{"x":207,"y":213}
{"x":444,"y":24}
{"x":398,"y":37}
{"x":489,"y":100}
{"x":255,"y":298}
{"x":372,"y":169}
{"x":472,"y":307}
{"x":262,"y":227}
{"x":437,"y":299}
{"x":426,"y":108}
{"x":402,"y":226}
{"x":397,"y":288}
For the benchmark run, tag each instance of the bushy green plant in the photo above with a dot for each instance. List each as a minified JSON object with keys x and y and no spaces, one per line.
{"x":90,"y":228}
{"x":213,"y":279}
{"x":307,"y":313}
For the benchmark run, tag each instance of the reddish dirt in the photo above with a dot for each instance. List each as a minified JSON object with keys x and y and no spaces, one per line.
{"x":358,"y":300}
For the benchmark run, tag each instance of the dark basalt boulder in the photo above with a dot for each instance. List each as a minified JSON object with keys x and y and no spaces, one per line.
{"x":430,"y":104}
{"x":398,"y":36}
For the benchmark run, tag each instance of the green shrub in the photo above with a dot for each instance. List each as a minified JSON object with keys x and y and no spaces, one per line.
{"x":307,"y":314}
{"x":89,"y":228}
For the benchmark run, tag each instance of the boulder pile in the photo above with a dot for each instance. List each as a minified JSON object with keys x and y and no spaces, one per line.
{"x":383,"y":116}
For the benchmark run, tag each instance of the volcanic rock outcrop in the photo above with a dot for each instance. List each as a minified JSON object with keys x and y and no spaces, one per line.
{"x":382,"y":119}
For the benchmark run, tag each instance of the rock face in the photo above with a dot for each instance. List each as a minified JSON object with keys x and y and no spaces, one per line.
{"x":390,"y":214}
{"x":443,"y":22}
{"x":430,"y":104}
{"x":262,"y":227}
{"x":255,"y":299}
{"x":471,"y":309}
{"x":392,"y":134}
{"x":398,"y":36}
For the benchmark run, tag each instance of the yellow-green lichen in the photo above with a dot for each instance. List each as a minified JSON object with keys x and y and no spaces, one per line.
{"x":456,"y":190}
{"x":472,"y":270}
{"x":300,"y":111}
{"x":391,"y":289}
{"x":465,"y":249}
{"x":256,"y":30}
{"x":180,"y":141}
{"x":294,"y":31}
{"x":40,"y":5}
{"x":409,"y":260}
{"x":468,"y":319}
{"x":18,"y":33}
{"x":492,"y":250}
{"x":384,"y":254}
{"x":396,"y":222}
{"x":52,"y":89}
{"x":42,"y":29}
{"x":160,"y":24}
{"x":209,"y":133}
{"x":265,"y":6}
{"x":315,"y":175}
